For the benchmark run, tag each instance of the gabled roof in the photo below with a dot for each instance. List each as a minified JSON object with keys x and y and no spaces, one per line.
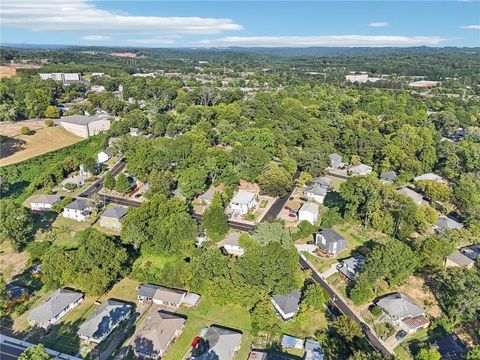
{"x":79,"y":119}
{"x":389,"y":176}
{"x":416,"y":197}
{"x":428,"y":176}
{"x":360,"y":168}
{"x":105,"y":318}
{"x":323,"y":181}
{"x":335,"y":157}
{"x":220,"y":344}
{"x":288,"y":303}
{"x":331,"y":235}
{"x":116,"y":212}
{"x":156,"y":332}
{"x":309,"y":207}
{"x":445,"y":222}
{"x":55,"y":304}
{"x":355,"y":263}
{"x":460,"y":259}
{"x":316,"y":189}
{"x":291,"y":342}
{"x":46,"y":199}
{"x":399,"y":306}
{"x":78,"y":204}
{"x":165,"y":294}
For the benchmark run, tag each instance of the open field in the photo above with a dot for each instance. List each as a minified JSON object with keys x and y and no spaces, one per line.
{"x":11,"y":262}
{"x":22,"y":147}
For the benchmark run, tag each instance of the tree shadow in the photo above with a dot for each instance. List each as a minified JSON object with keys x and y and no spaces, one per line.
{"x":10,"y":145}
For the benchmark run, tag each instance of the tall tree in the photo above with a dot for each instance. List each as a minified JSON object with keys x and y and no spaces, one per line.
{"x":121,"y":184}
{"x":16,"y":224}
{"x":109,"y":181}
{"x":35,"y":352}
{"x":215,"y":220}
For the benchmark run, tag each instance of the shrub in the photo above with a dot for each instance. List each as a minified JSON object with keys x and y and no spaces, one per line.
{"x":49,"y":123}
{"x":25,"y":130}
{"x":376,"y":311}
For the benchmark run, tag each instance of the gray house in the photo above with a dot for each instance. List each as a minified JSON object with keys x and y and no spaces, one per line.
{"x":112,"y":218}
{"x":323,"y":182}
{"x":444,"y":223}
{"x":217,"y":343}
{"x":287,"y":305}
{"x":388,"y":176}
{"x":335,"y":161}
{"x":330,"y":242}
{"x":350,"y":267}
{"x":56,"y":306}
{"x":400,"y":311}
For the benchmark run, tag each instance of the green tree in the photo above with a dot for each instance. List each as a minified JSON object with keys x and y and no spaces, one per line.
{"x":275,"y":181}
{"x":434,"y":190}
{"x":25,"y":130}
{"x":35,"y":352}
{"x":192,"y":181}
{"x":51,"y":112}
{"x":263,"y":317}
{"x":428,"y":354}
{"x":160,"y":182}
{"x":109,"y":181}
{"x":49,"y":123}
{"x":362,"y":292}
{"x":215,"y":220}
{"x":4,"y":297}
{"x":474,"y":353}
{"x":121,"y":184}
{"x":269,"y":232}
{"x":347,"y":328}
{"x":16,"y":224}
{"x":315,"y":297}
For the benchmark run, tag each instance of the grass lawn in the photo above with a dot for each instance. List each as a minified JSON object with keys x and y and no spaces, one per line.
{"x":72,"y":224}
{"x":402,"y":354}
{"x":125,"y":289}
{"x":207,"y":313}
{"x":339,"y":283}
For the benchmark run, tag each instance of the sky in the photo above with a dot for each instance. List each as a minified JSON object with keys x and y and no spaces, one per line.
{"x":158,"y":23}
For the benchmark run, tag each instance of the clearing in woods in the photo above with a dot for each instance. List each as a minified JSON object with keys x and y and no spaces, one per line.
{"x":22,"y":147}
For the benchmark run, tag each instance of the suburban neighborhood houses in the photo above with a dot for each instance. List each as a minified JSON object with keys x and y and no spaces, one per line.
{"x":227,"y":204}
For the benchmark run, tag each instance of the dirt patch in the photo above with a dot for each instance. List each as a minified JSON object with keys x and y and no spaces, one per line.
{"x":11,"y":262}
{"x":7,"y":71}
{"x":12,"y":129}
{"x":416,"y":289}
{"x":23,"y":147}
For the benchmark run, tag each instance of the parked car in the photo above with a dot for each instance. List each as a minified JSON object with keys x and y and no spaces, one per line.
{"x":288,"y":208}
{"x":292,"y":215}
{"x":195,"y":341}
{"x":401,"y":335}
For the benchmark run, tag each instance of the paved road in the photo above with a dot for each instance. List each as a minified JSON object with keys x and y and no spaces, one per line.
{"x":280,"y":202}
{"x":8,"y":352}
{"x":98,"y":184}
{"x":119,"y":200}
{"x":345,"y":309}
{"x":233,"y":224}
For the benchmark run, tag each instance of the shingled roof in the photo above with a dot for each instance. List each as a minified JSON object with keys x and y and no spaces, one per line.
{"x":55,"y":304}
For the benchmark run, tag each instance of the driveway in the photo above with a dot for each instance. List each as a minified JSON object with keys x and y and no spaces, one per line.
{"x":329,"y":272}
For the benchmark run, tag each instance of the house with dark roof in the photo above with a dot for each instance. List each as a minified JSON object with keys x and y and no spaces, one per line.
{"x":78,"y":210}
{"x":471,"y":251}
{"x":349,"y":268}
{"x":104,"y":320}
{"x":330,"y":242}
{"x":457,"y":259}
{"x":323,"y":182}
{"x":217,"y":343}
{"x":155,"y":334}
{"x":112,"y":217}
{"x":400,"y":311}
{"x":388,"y":176}
{"x":287,"y":305}
{"x":54,"y":308}
{"x":44,"y":202}
{"x":161,"y":295}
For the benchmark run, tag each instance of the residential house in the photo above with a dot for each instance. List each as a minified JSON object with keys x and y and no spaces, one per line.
{"x":400,"y":311}
{"x":44,"y":202}
{"x":444,"y":223}
{"x":389,"y":176}
{"x":336,"y":161}
{"x":85,"y":126}
{"x":313,"y":350}
{"x":429,"y":177}
{"x":217,"y":343}
{"x":457,"y":259}
{"x":207,"y":197}
{"x":360,"y":170}
{"x":78,"y":210}
{"x":416,"y":197}
{"x":112,"y":217}
{"x":290,"y":342}
{"x":54,"y":308}
{"x":103,"y":321}
{"x":349,"y":268}
{"x":104,"y":156}
{"x":231,"y":244}
{"x":287,"y":305}
{"x":63,"y":77}
{"x":471,"y":251}
{"x":156,"y":333}
{"x":330,"y":242}
{"x":161,"y":295}
{"x":323,"y":182}
{"x":75,"y":181}
{"x":308,"y":212}
{"x":315,"y":192}
{"x":243,"y":202}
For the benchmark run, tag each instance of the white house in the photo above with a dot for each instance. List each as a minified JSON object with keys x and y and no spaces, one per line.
{"x":308,"y":212}
{"x":54,"y":308}
{"x":429,"y":177}
{"x":360,"y":169}
{"x":64,"y":77}
{"x":78,"y":210}
{"x":44,"y":202}
{"x":104,"y":156}
{"x":161,"y":295}
{"x":231,"y":244}
{"x":287,"y":305}
{"x":243,"y":202}
{"x":315,"y":192}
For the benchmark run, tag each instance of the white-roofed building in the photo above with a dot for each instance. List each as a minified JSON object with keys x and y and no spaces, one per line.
{"x":243,"y":202}
{"x":308,"y":212}
{"x":429,"y":177}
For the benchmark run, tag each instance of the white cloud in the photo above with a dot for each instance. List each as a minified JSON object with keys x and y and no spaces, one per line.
{"x":334,"y":40}
{"x":81,"y":15}
{"x":96,"y":37}
{"x":472,"y":27}
{"x":152,"y":41}
{"x":378,"y":24}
